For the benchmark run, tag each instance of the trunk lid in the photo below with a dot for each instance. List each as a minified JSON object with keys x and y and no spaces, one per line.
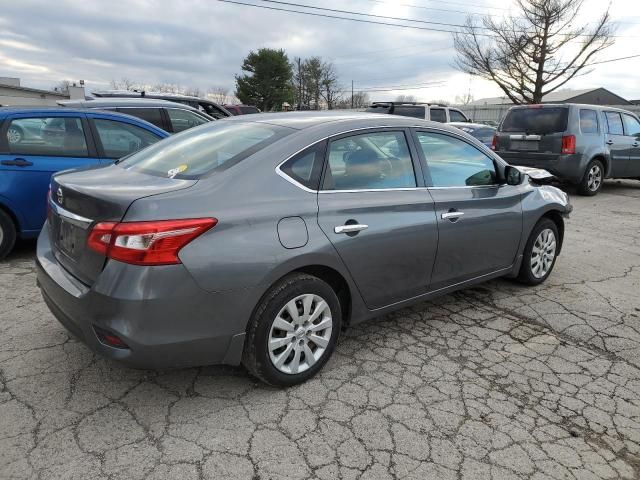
{"x":533,"y":131}
{"x":80,"y":199}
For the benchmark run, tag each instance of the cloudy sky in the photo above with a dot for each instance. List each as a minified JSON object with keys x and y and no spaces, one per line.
{"x":202,"y":43}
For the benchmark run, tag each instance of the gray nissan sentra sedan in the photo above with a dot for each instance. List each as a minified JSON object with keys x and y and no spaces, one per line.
{"x":256,"y":240}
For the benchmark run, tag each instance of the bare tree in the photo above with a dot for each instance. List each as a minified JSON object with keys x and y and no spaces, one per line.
{"x":405,"y":98}
{"x":124,"y":84}
{"x":329,"y":88}
{"x":535,"y":52}
{"x":62,"y":86}
{"x":193,"y":91}
{"x":218,"y":94}
{"x":465,"y":99}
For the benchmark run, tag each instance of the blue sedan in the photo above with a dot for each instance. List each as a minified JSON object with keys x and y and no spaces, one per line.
{"x":37,"y":142}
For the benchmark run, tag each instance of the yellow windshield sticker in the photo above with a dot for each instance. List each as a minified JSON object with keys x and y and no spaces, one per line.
{"x":175,"y":171}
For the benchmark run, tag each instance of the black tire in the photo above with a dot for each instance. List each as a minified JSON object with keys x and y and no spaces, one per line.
{"x":7,"y":234}
{"x":527,"y":274}
{"x":17,"y":131}
{"x":256,"y":357}
{"x":587,"y":185}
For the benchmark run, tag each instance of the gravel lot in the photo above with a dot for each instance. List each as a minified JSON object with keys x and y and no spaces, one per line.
{"x":498,"y":381}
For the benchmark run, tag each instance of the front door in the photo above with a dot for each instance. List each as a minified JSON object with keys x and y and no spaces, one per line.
{"x":632,"y":132}
{"x":379,"y":219}
{"x":479,"y":220}
{"x":618,"y":144}
{"x":31,"y":150}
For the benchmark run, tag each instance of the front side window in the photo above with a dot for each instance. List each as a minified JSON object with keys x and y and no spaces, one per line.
{"x":376,"y":160}
{"x":614,"y":122}
{"x":632,"y":126}
{"x":456,"y":116}
{"x":438,"y":115}
{"x":414,"y":111}
{"x":454,"y":163}
{"x":119,"y":139}
{"x":184,"y":119}
{"x":588,"y":121}
{"x":200,"y":151}
{"x":47,"y":136}
{"x":151,"y":115}
{"x":306,"y":167}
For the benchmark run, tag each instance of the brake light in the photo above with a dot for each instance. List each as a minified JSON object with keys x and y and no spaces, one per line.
{"x":569,"y":144}
{"x":494,"y":142}
{"x":146,"y":243}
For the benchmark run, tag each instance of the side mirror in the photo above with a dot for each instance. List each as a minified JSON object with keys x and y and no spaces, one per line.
{"x":513,"y":176}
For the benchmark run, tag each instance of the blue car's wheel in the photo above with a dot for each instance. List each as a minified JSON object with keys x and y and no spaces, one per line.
{"x":7,"y":234}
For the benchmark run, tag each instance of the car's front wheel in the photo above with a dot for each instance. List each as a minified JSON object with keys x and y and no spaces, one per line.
{"x":540,"y":252}
{"x":293,"y":332}
{"x":591,"y":182}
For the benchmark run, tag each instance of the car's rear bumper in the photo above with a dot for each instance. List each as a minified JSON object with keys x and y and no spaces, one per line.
{"x":162,"y":315}
{"x":565,"y":167}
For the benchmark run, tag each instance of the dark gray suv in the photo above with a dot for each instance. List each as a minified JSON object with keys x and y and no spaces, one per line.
{"x":582,"y":144}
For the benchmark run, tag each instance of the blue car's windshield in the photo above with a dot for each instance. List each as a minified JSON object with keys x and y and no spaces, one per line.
{"x":210,"y":147}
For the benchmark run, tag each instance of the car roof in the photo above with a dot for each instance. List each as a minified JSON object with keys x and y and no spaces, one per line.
{"x":4,"y":111}
{"x":126,"y":102}
{"x":578,"y":105}
{"x":310,"y":118}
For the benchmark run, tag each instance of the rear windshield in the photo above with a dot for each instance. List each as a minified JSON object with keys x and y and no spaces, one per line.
{"x":211,"y":147}
{"x":536,"y":120}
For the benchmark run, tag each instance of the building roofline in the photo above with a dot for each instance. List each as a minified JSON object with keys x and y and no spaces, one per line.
{"x":34,"y":90}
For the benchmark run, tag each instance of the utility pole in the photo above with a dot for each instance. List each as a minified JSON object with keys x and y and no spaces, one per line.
{"x":351,"y":93}
{"x":299,"y":86}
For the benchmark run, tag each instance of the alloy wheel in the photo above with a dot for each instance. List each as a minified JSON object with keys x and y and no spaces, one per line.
{"x":14,"y":136}
{"x":300,"y":334}
{"x":543,"y":253}
{"x":594,"y":178}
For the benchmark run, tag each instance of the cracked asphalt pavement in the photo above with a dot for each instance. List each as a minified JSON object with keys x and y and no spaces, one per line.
{"x":499,"y":381}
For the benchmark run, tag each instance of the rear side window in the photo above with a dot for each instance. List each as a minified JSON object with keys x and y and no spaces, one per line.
{"x":614,"y":123}
{"x":119,"y":139}
{"x":631,"y":125}
{"x":379,"y":109}
{"x":414,"y":111}
{"x":184,"y":119}
{"x":306,"y":167}
{"x":588,"y":121}
{"x":536,"y":120}
{"x":47,"y":136}
{"x":456,"y":116}
{"x":438,"y":115}
{"x":375,"y":160}
{"x":199,"y":151}
{"x":249,"y":110}
{"x":151,"y":115}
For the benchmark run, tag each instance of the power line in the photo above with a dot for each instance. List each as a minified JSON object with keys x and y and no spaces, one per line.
{"x":361,"y":20}
{"x":613,"y":60}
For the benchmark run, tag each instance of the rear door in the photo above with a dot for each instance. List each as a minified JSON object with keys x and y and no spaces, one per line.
{"x":619,"y":145}
{"x":632,"y":131}
{"x":378,"y":216}
{"x":33,"y":148}
{"x":153,"y":115}
{"x":479,"y":219}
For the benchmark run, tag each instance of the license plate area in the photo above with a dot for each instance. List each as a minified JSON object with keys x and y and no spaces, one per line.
{"x":524,"y":145}
{"x":67,"y":236}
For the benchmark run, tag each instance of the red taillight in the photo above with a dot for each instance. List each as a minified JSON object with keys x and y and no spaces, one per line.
{"x":494,"y":142}
{"x":146,"y":243}
{"x":569,"y":144}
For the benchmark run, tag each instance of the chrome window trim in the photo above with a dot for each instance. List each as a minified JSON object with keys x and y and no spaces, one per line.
{"x":78,"y":220}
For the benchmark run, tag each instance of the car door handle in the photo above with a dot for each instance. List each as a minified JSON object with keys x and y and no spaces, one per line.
{"x":18,"y":162}
{"x":351,"y":228}
{"x":452,"y":216}
{"x":609,"y":142}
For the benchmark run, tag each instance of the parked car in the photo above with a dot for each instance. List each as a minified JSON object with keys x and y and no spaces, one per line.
{"x":425,"y":111}
{"x":256,"y":241}
{"x":582,"y":144}
{"x":36,"y":142}
{"x":482,"y":132}
{"x":241,"y":109}
{"x":207,"y":106}
{"x":172,"y":117}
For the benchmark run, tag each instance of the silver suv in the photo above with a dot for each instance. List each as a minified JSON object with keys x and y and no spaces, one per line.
{"x":424,"y":111}
{"x":582,"y":144}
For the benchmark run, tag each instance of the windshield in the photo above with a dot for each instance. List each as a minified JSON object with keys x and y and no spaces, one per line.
{"x":536,"y":120}
{"x":210,"y":147}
